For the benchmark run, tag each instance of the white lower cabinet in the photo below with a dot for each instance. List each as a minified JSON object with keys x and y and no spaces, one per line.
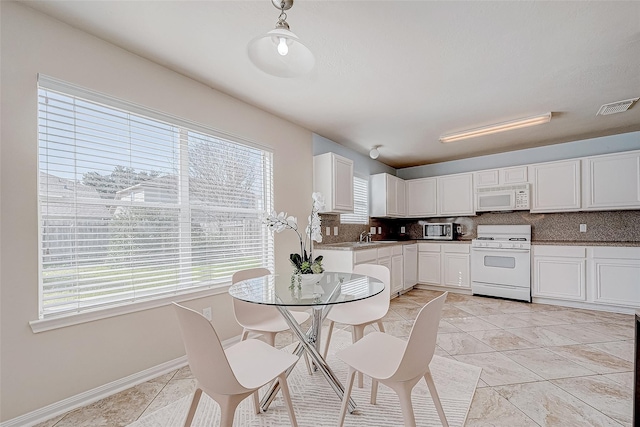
{"x":444,"y":264}
{"x":409,"y":266}
{"x":559,"y":272}
{"x":429,"y":263}
{"x":614,"y":276}
{"x":396,"y":273}
{"x":391,"y":256}
{"x":598,"y":275}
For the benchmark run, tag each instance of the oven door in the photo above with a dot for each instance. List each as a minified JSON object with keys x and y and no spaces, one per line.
{"x":511,"y":267}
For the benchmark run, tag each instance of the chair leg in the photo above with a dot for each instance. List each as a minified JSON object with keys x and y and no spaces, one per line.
{"x":326,"y":345}
{"x":436,"y":399}
{"x":374,"y":391}
{"x":256,"y":402}
{"x":228,"y":405}
{"x":404,"y":393}
{"x":193,"y":407}
{"x":358,"y":333}
{"x":381,"y":326}
{"x":284,"y":386}
{"x":270,"y":337}
{"x":347,"y":394}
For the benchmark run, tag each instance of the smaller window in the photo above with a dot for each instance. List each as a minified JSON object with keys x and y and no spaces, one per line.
{"x":360,"y":213}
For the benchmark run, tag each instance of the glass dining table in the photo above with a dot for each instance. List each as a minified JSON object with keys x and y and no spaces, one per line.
{"x":286,"y":292}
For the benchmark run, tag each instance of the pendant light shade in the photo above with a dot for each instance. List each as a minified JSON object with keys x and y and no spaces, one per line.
{"x":279,"y":52}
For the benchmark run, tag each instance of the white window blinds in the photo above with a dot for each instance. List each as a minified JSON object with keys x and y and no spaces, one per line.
{"x":360,"y":213}
{"x":135,"y":207}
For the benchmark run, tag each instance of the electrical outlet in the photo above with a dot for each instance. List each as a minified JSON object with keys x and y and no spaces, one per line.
{"x":335,"y":231}
{"x":379,"y":230}
{"x":402,"y":230}
{"x":206,"y":312}
{"x":583,"y":228}
{"x":372,"y":230}
{"x":328,"y":231}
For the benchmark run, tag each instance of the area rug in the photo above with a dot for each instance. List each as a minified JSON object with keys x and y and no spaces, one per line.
{"x":316,"y":404}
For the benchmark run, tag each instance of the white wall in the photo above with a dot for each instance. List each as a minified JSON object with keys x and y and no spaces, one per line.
{"x":40,"y":369}
{"x":569,"y":150}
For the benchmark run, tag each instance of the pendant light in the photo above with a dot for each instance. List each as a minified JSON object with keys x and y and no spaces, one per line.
{"x":279,"y":52}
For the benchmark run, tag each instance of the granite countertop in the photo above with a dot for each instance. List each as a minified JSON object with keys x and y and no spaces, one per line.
{"x":584,"y":243}
{"x":355,"y":246}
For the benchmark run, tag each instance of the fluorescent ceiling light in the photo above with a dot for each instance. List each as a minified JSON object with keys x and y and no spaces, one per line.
{"x":500,"y":127}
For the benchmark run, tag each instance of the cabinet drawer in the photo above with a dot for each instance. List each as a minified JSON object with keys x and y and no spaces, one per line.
{"x":396,"y":250}
{"x":560,"y":251}
{"x":455,"y":248}
{"x":385,"y":252}
{"x":367,"y":255}
{"x":428,"y":247}
{"x":614,"y":253}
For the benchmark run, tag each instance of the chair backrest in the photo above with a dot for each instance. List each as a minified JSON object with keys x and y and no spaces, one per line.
{"x":422,"y":341}
{"x":205,"y":354}
{"x":381,"y":273}
{"x":247,"y":313}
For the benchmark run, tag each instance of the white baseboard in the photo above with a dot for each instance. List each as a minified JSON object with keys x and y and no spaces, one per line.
{"x":93,"y":395}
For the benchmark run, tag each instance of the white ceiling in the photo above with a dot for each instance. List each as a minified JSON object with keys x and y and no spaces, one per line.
{"x":401,"y":73}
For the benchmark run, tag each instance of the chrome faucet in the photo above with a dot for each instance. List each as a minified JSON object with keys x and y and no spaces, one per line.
{"x":365,"y":236}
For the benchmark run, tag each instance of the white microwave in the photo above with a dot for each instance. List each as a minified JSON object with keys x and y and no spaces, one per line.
{"x":502,"y":198}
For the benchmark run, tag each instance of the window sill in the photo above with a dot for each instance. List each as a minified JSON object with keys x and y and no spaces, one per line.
{"x":43,"y":325}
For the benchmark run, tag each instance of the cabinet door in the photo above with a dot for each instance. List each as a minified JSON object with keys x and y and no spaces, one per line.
{"x":613,"y":181}
{"x":387,"y":263}
{"x":343,"y":184}
{"x":486,"y":178}
{"x":401,"y":199}
{"x":455,"y":195}
{"x":556,"y":186}
{"x":429,"y":267}
{"x":421,"y":197}
{"x":333,"y":177}
{"x":515,"y":175}
{"x":559,"y":278}
{"x":615,"y":281}
{"x":396,"y":274}
{"x":455,"y":269}
{"x":410,"y":266}
{"x":392,"y":196}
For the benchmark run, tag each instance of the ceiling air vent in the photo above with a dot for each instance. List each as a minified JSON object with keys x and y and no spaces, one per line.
{"x":616,"y":107}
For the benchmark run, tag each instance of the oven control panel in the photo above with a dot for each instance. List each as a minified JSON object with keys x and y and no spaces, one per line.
{"x":501,"y":245}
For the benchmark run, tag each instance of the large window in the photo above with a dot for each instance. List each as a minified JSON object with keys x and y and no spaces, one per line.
{"x":360,"y":213}
{"x":137,"y":205}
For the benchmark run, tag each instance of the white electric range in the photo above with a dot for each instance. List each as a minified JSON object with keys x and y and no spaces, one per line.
{"x":501,"y":261}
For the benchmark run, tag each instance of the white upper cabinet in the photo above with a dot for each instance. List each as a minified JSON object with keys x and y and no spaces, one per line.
{"x":455,"y":195}
{"x":612,"y":181}
{"x":388,"y":196}
{"x":421,"y":197}
{"x":333,"y":177}
{"x":556,"y":186}
{"x":515,"y":175}
{"x":504,"y":176}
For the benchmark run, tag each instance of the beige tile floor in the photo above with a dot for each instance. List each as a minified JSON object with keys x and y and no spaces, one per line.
{"x":542,"y":365}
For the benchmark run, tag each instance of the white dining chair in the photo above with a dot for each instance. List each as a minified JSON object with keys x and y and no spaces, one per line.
{"x":262,"y":319}
{"x":230,"y":376}
{"x":397,"y":363}
{"x":362,"y":313}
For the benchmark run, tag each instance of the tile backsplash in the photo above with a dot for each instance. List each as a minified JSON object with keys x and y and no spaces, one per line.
{"x":605,"y":226}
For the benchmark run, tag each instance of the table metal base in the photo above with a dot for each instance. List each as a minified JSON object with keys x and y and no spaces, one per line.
{"x":309,"y":342}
